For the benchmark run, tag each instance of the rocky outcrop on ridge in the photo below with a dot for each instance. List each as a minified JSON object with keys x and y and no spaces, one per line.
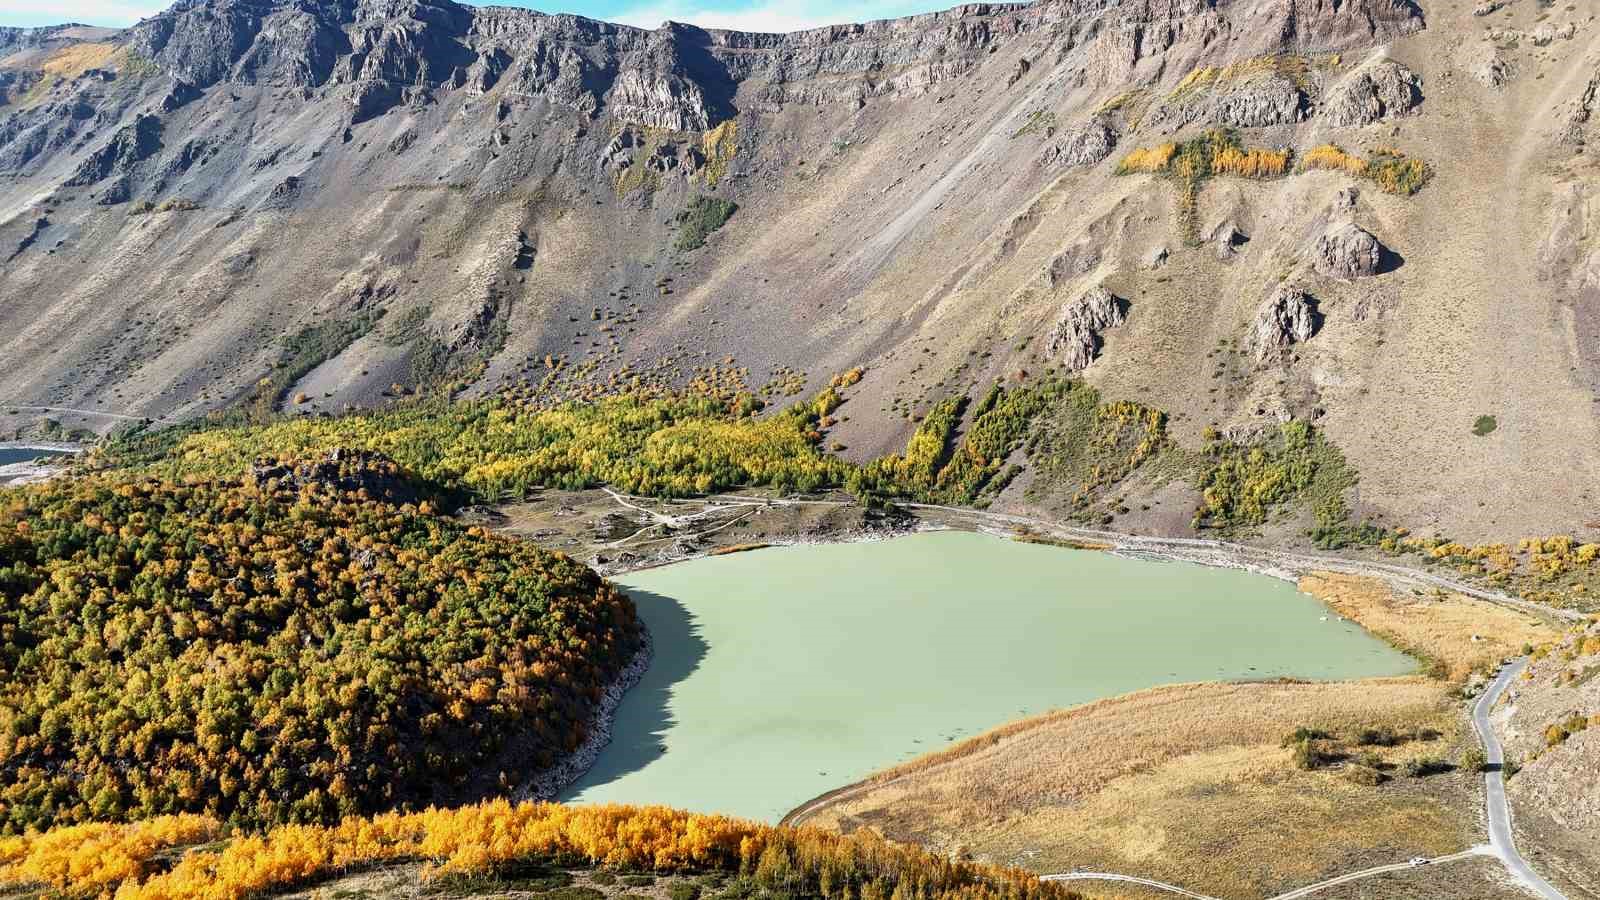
{"x":1076,"y":337}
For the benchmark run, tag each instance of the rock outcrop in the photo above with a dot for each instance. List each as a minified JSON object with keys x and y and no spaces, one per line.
{"x":1076,"y":337}
{"x":1288,"y":317}
{"x":1347,"y":251}
{"x":340,"y":469}
{"x":1226,"y":239}
{"x":1083,"y":146}
{"x":128,"y":147}
{"x":1372,"y":93}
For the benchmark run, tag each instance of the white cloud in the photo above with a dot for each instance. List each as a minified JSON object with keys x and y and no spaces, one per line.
{"x":114,"y":13}
{"x":772,"y":16}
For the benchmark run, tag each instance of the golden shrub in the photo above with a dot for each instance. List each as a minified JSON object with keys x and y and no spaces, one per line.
{"x":1331,"y":158}
{"x":1148,"y":159}
{"x":1255,"y":163}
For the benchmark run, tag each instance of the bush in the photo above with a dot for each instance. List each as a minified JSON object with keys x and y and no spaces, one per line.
{"x":1302,"y":734}
{"x":603,"y":877}
{"x":638,"y":880}
{"x":1473,"y":760}
{"x":683,"y":890}
{"x":1366,"y":776}
{"x":1378,"y":737}
{"x":1309,"y":755}
{"x":1423,"y":766}
{"x":1484,"y":424}
{"x":703,"y":216}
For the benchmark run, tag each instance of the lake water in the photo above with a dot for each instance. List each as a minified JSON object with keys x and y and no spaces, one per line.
{"x":9,"y":455}
{"x":781,"y":674}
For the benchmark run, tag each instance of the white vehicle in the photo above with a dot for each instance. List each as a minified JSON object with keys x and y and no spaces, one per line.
{"x":1419,"y":860}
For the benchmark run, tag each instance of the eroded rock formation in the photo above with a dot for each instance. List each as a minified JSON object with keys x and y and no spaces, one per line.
{"x":1374,"y":92}
{"x":1076,"y":338}
{"x":1287,"y":317}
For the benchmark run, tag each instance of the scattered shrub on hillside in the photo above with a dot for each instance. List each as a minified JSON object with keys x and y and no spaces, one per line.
{"x":1392,"y":171}
{"x":1364,"y":775}
{"x":1483,"y":425}
{"x":700,"y":218}
{"x":1216,"y":151}
{"x":1331,"y":157}
{"x":280,"y":649}
{"x":1473,"y":760}
{"x":683,"y":890}
{"x":765,"y":860}
{"x":1242,"y":484}
{"x":1558,"y":732}
{"x":1148,"y":160}
{"x":1254,"y":163}
{"x":1398,"y":174}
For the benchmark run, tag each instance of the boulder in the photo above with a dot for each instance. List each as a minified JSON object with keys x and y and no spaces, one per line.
{"x":1288,"y":317}
{"x":1076,"y":337}
{"x":1372,"y":93}
{"x":1347,"y":251}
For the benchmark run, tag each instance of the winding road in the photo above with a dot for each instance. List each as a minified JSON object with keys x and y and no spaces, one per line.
{"x":1501,"y":839}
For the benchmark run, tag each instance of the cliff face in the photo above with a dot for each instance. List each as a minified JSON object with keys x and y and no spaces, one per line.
{"x":371,"y":194}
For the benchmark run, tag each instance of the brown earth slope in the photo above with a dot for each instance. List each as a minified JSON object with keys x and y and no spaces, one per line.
{"x":460,"y":192}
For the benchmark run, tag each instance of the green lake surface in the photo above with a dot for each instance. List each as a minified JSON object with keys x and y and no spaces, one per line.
{"x":781,"y":674}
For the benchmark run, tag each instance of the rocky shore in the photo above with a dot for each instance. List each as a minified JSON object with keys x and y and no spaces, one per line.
{"x":550,"y":783}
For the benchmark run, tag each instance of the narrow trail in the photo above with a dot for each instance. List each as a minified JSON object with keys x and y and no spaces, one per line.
{"x":1127,"y":879}
{"x":1381,"y":870}
{"x":68,"y":409}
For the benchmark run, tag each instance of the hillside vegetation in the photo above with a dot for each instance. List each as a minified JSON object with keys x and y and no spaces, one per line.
{"x":281,"y":648}
{"x":135,"y":861}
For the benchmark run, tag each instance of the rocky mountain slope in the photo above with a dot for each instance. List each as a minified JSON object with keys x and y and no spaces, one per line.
{"x":356,"y":197}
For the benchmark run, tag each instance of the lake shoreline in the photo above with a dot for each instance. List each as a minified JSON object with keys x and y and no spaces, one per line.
{"x":971,"y":589}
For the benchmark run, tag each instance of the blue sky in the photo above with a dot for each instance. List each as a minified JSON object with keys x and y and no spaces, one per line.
{"x":747,"y":15}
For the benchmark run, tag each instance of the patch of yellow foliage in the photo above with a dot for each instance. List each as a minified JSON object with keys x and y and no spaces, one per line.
{"x":1148,"y":159}
{"x":475,"y":838}
{"x":97,"y":854}
{"x":1256,"y":163}
{"x":1291,"y":67}
{"x":70,"y":62}
{"x":1330,"y":157}
{"x":719,"y":144}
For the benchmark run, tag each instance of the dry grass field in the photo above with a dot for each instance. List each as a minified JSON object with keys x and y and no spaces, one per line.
{"x":1187,"y":783}
{"x":1194,"y":784}
{"x":1456,"y":632}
